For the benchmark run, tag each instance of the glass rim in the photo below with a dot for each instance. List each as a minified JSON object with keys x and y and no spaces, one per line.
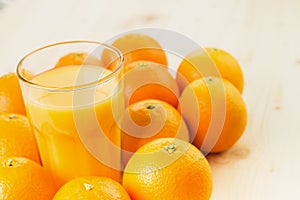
{"x":76,"y":87}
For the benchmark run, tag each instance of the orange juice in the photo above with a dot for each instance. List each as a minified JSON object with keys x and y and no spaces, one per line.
{"x":75,"y":128}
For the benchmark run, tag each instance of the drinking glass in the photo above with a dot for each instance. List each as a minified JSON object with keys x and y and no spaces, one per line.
{"x":73,"y":97}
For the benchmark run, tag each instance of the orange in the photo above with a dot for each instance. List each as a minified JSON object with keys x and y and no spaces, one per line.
{"x":147,"y":120}
{"x":77,"y":58}
{"x":169,"y":169}
{"x":92,"y":187}
{"x":11,"y":99}
{"x":210,"y":62}
{"x":140,"y":63}
{"x":151,"y":81}
{"x":219,"y":114}
{"x":17,"y":137}
{"x":136,"y":47}
{"x":21,"y":178}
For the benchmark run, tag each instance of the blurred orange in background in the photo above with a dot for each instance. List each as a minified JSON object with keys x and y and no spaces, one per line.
{"x":77,"y":58}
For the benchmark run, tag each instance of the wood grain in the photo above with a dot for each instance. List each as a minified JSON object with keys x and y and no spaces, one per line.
{"x":262,"y":35}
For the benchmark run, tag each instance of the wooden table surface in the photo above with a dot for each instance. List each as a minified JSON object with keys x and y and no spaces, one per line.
{"x":262,"y":34}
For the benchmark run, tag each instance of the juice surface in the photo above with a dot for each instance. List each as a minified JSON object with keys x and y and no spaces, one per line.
{"x":74,"y":127}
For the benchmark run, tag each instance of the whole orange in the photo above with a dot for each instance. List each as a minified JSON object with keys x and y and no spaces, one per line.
{"x":219,"y":114}
{"x":147,"y":120}
{"x":11,"y":99}
{"x":210,"y":62}
{"x":17,"y":137}
{"x":136,"y":47}
{"x":151,"y":81}
{"x":169,"y":169}
{"x":92,"y":188}
{"x":21,"y":178}
{"x":77,"y":58}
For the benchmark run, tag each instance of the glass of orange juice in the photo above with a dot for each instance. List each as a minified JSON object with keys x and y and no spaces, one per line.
{"x":73,"y":102}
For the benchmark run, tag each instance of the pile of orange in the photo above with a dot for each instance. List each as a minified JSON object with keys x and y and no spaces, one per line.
{"x":168,"y":125}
